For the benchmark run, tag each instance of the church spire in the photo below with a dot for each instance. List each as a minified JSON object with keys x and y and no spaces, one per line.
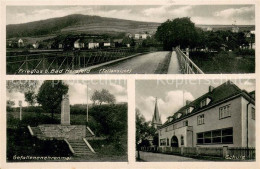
{"x":156,"y":117}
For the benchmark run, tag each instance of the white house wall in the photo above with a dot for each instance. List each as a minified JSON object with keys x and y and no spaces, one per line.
{"x":251,"y":124}
{"x":212,"y":122}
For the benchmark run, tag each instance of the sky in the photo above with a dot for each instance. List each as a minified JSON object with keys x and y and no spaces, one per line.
{"x":200,"y":14}
{"x":172,"y":94}
{"x":78,"y":91}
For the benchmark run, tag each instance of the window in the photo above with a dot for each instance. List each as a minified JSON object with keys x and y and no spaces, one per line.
{"x":224,"y":112}
{"x":187,"y":110}
{"x":168,"y":142}
{"x":203,"y":103}
{"x":185,"y":123}
{"x":253,"y":113}
{"x":227,"y":135}
{"x":163,"y":142}
{"x":182,"y":140}
{"x":179,"y":115}
{"x":221,"y":136}
{"x":201,"y":119}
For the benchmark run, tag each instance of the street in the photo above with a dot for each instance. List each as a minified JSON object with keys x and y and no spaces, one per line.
{"x":143,"y":64}
{"x":158,"y":157}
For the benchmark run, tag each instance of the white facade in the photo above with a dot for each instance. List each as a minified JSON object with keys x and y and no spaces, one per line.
{"x":230,"y":123}
{"x":93,"y":45}
{"x":107,"y":44}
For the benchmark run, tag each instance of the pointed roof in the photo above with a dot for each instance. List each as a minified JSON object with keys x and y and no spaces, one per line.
{"x":219,"y":94}
{"x":156,"y":116}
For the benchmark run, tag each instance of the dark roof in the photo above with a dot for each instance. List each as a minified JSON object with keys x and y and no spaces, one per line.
{"x":218,"y":94}
{"x":252,"y":94}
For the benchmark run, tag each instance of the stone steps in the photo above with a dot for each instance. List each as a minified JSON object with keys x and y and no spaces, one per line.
{"x":80,"y":147}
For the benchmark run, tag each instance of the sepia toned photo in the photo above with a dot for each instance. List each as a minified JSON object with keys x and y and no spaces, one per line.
{"x":65,"y":121}
{"x":195,"y":120}
{"x":112,"y":84}
{"x":130,"y":39}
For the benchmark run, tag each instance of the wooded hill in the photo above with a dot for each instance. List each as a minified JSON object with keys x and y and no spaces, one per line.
{"x":77,"y":23}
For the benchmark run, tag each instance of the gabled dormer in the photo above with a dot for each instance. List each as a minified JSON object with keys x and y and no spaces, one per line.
{"x":189,"y":107}
{"x":177,"y":115}
{"x":204,"y":102}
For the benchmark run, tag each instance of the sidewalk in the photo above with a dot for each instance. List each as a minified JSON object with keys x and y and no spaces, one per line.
{"x":158,"y":157}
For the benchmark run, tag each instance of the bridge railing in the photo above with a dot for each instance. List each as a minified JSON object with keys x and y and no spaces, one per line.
{"x":44,"y":63}
{"x":187,"y":65}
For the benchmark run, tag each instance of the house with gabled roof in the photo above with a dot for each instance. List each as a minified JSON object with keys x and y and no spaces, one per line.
{"x":224,"y":116}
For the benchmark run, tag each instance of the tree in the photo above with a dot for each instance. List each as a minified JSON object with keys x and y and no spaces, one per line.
{"x":143,"y":130}
{"x":103,"y":96}
{"x":95,"y":97}
{"x":9,"y":105}
{"x":30,"y":97}
{"x":50,"y":95}
{"x":180,"y":31}
{"x":107,"y":97}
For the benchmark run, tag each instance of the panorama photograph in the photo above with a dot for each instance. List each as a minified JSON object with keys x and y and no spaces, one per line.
{"x":195,"y":120}
{"x":130,"y":39}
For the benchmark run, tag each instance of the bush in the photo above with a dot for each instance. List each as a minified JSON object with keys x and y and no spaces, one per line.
{"x":21,"y":143}
{"x":106,"y":147}
{"x":78,"y":109}
{"x":38,"y":119}
{"x":201,"y":55}
{"x":37,"y":109}
{"x":245,"y":52}
{"x":110,"y":119}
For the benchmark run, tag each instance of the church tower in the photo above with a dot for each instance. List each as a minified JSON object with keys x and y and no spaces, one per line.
{"x":156,"y":121}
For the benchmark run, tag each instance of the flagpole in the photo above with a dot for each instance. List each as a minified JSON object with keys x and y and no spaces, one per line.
{"x":87,"y":103}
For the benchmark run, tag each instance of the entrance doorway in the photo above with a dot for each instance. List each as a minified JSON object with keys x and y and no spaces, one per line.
{"x":174,"y":142}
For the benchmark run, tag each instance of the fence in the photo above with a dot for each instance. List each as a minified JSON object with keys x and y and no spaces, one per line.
{"x":224,"y":152}
{"x":44,"y":63}
{"x":186,"y":64}
{"x":241,"y":152}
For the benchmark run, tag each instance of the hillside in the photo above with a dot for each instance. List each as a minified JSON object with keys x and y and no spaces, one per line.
{"x":78,"y":24}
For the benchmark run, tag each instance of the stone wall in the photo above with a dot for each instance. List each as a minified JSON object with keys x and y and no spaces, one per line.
{"x":71,"y":132}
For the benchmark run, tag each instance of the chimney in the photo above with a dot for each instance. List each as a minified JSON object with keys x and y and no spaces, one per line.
{"x":211,"y":88}
{"x":188,"y":102}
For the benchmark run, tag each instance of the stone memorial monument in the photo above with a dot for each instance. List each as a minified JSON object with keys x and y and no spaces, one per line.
{"x":65,"y":110}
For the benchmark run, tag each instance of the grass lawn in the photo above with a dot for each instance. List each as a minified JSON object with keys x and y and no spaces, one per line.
{"x":224,"y":63}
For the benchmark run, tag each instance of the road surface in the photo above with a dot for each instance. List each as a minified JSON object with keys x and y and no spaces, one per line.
{"x":158,"y":157}
{"x":143,"y":64}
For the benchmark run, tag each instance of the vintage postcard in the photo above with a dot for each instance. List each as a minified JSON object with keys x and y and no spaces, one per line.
{"x":129,"y":84}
